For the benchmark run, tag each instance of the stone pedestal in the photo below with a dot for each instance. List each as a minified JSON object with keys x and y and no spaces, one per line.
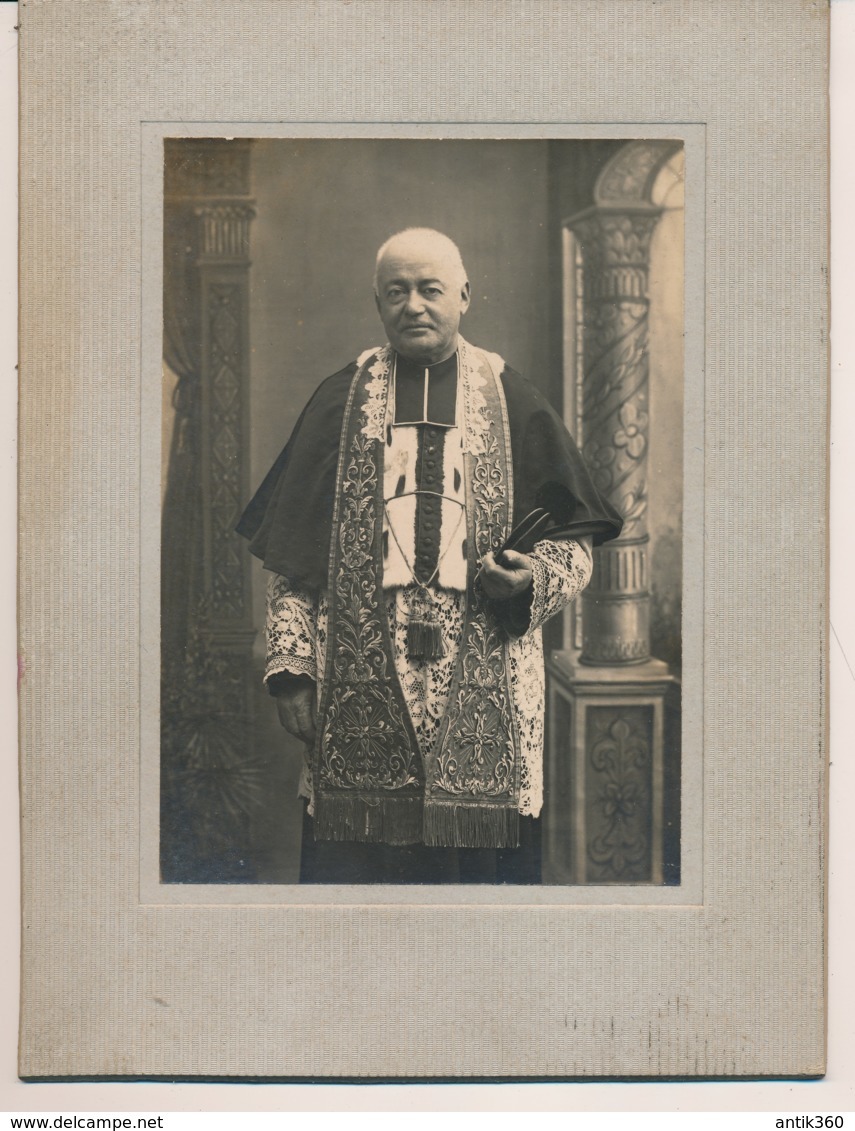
{"x":605,"y":776}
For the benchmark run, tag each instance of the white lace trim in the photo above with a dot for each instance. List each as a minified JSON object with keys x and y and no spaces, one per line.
{"x":291,"y":630}
{"x":377,"y":404}
{"x":364,"y":356}
{"x":476,"y":424}
{"x":426,"y":684}
{"x":527,"y":683}
{"x":560,"y":570}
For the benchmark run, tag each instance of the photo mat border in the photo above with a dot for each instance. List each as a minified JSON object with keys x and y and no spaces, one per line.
{"x":153,"y":892}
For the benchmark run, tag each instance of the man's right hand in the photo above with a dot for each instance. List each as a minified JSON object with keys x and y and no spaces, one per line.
{"x":296,"y":703}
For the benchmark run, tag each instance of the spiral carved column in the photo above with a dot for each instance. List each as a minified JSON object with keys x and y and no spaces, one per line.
{"x":616,"y":418}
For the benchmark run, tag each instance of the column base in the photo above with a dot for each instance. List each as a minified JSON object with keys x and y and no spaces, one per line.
{"x":570,"y":668}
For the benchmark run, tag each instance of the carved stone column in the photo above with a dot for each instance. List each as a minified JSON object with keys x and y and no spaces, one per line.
{"x":616,"y":418}
{"x":611,"y":704}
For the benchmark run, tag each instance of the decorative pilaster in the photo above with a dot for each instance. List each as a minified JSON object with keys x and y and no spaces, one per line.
{"x":223,"y":265}
{"x":209,"y":211}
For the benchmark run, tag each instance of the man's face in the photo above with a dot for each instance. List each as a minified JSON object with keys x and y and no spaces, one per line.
{"x":421,"y":298}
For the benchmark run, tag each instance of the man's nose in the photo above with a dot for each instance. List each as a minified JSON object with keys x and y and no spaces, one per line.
{"x":415,"y":302}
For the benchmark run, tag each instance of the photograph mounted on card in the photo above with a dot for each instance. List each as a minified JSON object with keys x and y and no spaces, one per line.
{"x":423,"y":519}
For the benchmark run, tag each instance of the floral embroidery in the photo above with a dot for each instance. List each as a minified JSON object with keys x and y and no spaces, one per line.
{"x":480,"y":442}
{"x":362,"y":724}
{"x":469,"y":765}
{"x":478,"y":756}
{"x":368,"y":753}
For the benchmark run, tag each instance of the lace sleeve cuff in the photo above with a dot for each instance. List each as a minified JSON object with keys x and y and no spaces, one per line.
{"x":560,"y":570}
{"x":291,"y":631}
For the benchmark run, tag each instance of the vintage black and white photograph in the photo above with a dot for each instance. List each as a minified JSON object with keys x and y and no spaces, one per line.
{"x":423,"y":609}
{"x":422,"y":511}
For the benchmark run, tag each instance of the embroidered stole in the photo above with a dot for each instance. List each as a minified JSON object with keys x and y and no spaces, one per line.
{"x":371,"y":780}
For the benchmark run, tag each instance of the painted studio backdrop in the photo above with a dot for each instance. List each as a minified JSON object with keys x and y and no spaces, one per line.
{"x":574,"y":250}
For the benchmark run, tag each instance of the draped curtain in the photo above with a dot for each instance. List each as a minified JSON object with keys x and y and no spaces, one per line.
{"x":181,"y":528}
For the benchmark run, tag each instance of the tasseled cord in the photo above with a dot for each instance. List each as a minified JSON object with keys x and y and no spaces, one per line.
{"x":424,"y":632}
{"x":424,"y":640}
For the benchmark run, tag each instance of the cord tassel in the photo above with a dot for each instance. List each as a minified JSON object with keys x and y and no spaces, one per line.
{"x":424,"y":632}
{"x":424,"y":641}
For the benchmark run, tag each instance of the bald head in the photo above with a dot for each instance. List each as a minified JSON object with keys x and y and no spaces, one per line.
{"x":422,"y":244}
{"x":421,"y":291}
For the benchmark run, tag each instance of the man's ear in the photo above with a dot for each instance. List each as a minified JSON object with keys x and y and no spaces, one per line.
{"x":465,"y":294}
{"x":377,"y":301}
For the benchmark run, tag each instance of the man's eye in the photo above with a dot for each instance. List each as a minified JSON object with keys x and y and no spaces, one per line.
{"x":432,"y":292}
{"x":394,"y":295}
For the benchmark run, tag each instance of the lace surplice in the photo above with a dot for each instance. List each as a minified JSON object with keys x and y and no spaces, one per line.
{"x":297,"y":636}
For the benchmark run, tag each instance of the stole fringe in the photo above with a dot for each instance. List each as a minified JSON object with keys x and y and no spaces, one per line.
{"x":387,"y":820}
{"x":455,"y":825}
{"x":410,"y":820}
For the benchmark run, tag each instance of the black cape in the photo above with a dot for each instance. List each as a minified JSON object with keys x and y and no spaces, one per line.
{"x":288,"y":522}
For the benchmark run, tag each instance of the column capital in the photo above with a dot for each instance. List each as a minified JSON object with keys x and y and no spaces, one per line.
{"x":224,"y":230}
{"x":615,"y":244}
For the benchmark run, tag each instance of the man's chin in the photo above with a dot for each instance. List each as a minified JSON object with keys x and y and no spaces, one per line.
{"x":419,"y":346}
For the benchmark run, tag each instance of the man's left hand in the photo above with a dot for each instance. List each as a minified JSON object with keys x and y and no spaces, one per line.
{"x":502,"y":582}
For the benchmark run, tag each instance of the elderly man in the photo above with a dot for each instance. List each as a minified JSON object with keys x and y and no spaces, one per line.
{"x":404,"y":640}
